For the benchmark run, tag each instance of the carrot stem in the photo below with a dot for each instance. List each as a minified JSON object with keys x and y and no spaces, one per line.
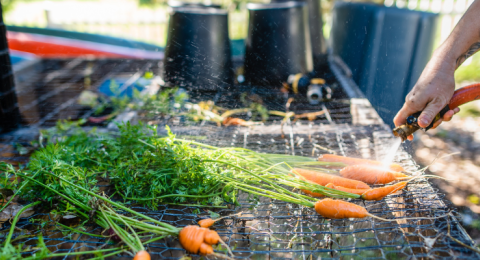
{"x":14,"y":222}
{"x":256,"y":175}
{"x":18,"y":191}
{"x":78,"y":231}
{"x":413,"y":218}
{"x":172,"y":228}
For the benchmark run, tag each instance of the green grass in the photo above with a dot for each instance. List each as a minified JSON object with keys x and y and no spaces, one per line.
{"x":470,"y":72}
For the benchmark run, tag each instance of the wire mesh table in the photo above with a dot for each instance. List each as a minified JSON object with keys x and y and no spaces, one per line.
{"x":269,"y":229}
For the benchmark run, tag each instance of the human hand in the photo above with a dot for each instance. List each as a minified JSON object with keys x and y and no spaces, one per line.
{"x":431,"y":94}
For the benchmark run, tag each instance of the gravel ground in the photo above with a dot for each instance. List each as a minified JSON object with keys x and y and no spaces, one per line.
{"x":462,"y":136}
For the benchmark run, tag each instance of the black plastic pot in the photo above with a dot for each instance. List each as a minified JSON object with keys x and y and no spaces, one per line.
{"x":278,"y":43}
{"x":315,"y":23}
{"x":198,"y":55}
{"x":9,"y":113}
{"x":386,"y":48}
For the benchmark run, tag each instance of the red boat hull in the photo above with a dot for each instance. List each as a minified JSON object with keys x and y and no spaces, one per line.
{"x":57,"y":47}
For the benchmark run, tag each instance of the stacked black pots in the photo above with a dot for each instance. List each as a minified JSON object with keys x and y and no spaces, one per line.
{"x":278,"y":43}
{"x":198,"y":55}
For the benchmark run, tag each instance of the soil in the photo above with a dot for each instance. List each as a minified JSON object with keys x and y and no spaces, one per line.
{"x":460,"y":136}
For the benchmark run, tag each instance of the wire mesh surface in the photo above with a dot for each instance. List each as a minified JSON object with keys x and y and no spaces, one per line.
{"x":50,"y":93}
{"x":270,"y":229}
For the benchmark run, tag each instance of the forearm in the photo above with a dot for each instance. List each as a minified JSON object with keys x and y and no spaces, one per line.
{"x":464,"y":41}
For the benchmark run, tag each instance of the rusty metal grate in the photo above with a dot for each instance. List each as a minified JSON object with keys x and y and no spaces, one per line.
{"x":276,"y":230}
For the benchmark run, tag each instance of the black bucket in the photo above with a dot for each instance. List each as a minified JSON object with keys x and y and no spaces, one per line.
{"x":278,"y":43}
{"x":9,"y":113}
{"x":198,"y":55}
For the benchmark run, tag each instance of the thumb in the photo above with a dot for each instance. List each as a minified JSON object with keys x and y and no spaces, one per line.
{"x":429,"y":113}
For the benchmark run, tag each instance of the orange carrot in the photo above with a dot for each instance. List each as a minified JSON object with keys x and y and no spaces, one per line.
{"x":197,"y":239}
{"x":205,"y":249}
{"x":357,"y":161}
{"x":234,"y":121}
{"x":324,"y":179}
{"x":211,"y":237}
{"x":340,"y":188}
{"x":337,"y":209}
{"x":380,"y":193}
{"x":206,"y":223}
{"x":313,"y":194}
{"x":371,"y":174}
{"x":142,"y":255}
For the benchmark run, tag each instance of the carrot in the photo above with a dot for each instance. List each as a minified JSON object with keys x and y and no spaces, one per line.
{"x":380,"y":193}
{"x":211,"y":237}
{"x":337,"y":209}
{"x":205,"y":249}
{"x":197,"y":239}
{"x":340,"y":188}
{"x":314,"y":194}
{"x":324,"y":179}
{"x":208,"y":222}
{"x":142,"y":255}
{"x":234,"y":121}
{"x":357,"y":161}
{"x":371,"y":174}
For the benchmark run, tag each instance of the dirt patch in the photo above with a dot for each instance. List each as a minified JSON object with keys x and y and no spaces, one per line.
{"x":461,"y":136}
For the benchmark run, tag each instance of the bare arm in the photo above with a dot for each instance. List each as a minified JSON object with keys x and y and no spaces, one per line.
{"x":436,"y":84}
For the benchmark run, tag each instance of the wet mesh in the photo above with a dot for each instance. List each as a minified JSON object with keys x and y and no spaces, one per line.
{"x":270,"y":229}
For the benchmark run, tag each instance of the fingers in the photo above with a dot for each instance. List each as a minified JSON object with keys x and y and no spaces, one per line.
{"x":402,"y":115}
{"x":439,"y":121}
{"x":447,"y":117}
{"x":429,"y":113}
{"x":410,"y":138}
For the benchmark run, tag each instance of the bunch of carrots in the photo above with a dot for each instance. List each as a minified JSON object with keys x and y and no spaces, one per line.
{"x":354,"y":178}
{"x":268,"y":175}
{"x":122,"y":228}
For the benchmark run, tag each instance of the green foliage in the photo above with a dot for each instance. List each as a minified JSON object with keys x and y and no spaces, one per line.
{"x":10,"y":252}
{"x":167,"y":102}
{"x":469,"y":110}
{"x":7,"y":5}
{"x":469,"y":72}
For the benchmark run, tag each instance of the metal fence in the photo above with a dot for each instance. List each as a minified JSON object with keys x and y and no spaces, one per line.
{"x":127,"y":19}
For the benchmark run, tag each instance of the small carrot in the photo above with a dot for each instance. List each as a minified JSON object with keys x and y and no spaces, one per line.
{"x":314,"y":194}
{"x":371,"y":174}
{"x":337,"y":209}
{"x":382,"y":192}
{"x":340,"y":188}
{"x":211,"y":237}
{"x":324,"y":179}
{"x":234,"y":121}
{"x":196,"y":239}
{"x":357,"y":161}
{"x":205,"y":249}
{"x":208,"y":222}
{"x":142,"y":255}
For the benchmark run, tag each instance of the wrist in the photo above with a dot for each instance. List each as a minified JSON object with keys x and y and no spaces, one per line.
{"x":443,"y":59}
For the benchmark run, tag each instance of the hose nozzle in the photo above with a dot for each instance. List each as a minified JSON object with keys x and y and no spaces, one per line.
{"x":460,"y":97}
{"x":405,"y":130}
{"x":412,"y":126}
